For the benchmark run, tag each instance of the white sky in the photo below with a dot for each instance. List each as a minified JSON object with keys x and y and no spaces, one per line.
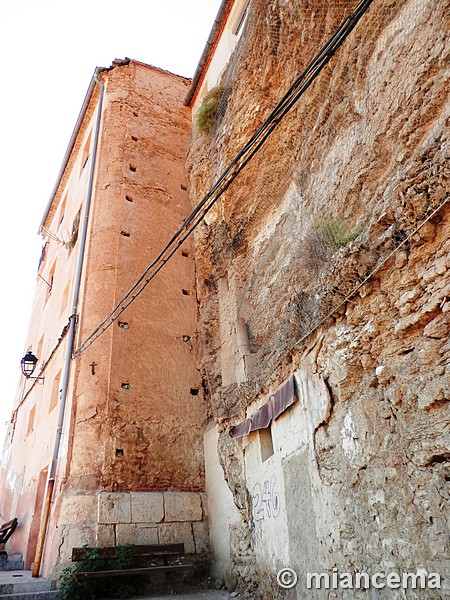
{"x":50,"y":49}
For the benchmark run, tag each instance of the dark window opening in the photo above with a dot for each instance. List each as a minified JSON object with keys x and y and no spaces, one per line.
{"x":266,"y":443}
{"x":75,"y":229}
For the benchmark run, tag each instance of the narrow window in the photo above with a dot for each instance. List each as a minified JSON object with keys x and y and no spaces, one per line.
{"x":31,"y":419}
{"x":49,"y":282}
{"x":65,"y":299}
{"x":55,"y":392}
{"x":75,"y":229}
{"x":86,"y":153}
{"x":239,"y":20}
{"x":266,"y":443}
{"x":43,"y":256}
{"x":62,"y":209}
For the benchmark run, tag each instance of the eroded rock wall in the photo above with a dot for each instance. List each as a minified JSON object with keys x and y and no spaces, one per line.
{"x":328,"y":258}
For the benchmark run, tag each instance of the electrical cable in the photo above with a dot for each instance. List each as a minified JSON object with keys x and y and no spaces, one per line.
{"x":248,"y":151}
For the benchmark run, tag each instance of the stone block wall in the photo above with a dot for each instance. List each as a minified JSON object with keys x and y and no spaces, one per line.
{"x":152,"y":518}
{"x":117,"y":518}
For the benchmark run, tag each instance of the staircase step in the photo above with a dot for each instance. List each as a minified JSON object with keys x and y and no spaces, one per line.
{"x":18,"y":584}
{"x":43,"y":595}
{"x":11,"y":562}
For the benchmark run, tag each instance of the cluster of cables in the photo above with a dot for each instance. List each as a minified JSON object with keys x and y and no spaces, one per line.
{"x":242,"y":158}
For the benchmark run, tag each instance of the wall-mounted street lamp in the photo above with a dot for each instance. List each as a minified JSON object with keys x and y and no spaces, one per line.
{"x":28,"y":365}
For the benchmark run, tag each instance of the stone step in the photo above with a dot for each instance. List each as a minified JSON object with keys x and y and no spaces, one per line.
{"x":11,"y":562}
{"x":43,"y":595}
{"x":20,"y":584}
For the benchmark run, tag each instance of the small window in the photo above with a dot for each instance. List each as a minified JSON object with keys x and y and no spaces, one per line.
{"x":49,"y":282}
{"x":65,"y":299}
{"x":43,"y":256}
{"x":31,"y":419}
{"x":75,"y":229}
{"x":239,"y":20}
{"x":62,"y":209}
{"x":55,"y":392}
{"x":266,"y":443}
{"x":86,"y":154}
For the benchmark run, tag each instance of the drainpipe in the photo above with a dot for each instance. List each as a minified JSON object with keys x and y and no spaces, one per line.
{"x":70,"y":342}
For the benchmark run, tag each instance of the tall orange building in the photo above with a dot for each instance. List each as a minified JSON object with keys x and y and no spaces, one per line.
{"x":110,"y":438}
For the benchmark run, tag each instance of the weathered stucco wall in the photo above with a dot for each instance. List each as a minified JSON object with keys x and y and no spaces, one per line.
{"x":31,"y":434}
{"x":328,"y":258}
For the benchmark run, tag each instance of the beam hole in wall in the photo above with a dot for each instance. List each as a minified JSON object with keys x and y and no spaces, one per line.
{"x":184,"y":253}
{"x":184,"y":186}
{"x":126,"y":386}
{"x":119,"y":451}
{"x":133,"y":168}
{"x":123,"y":324}
{"x":185,"y":292}
{"x":125,"y":233}
{"x":194,"y":391}
{"x":265,"y":443}
{"x":134,"y":138}
{"x":128,"y":198}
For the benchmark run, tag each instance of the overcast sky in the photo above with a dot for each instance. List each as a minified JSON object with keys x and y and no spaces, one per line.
{"x":50,"y":49}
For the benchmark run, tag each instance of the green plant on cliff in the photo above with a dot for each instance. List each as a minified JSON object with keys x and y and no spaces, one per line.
{"x":72,"y":588}
{"x":335,"y":233}
{"x":210,"y":108}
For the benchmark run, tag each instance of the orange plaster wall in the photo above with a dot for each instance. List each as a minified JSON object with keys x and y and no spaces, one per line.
{"x":157,"y":423}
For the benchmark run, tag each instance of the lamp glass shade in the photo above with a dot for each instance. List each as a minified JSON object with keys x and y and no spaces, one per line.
{"x":28,"y":364}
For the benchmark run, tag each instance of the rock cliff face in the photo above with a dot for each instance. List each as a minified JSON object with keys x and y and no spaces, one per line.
{"x":328,"y":258}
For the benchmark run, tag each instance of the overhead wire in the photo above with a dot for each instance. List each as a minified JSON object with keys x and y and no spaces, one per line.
{"x":242,"y":158}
